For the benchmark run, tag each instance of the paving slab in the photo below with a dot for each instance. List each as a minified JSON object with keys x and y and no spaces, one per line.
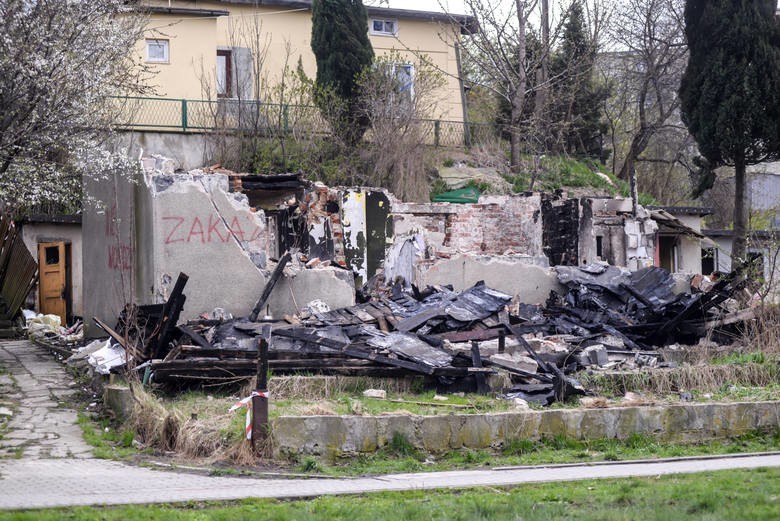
{"x":39,"y":418}
{"x":43,"y":483}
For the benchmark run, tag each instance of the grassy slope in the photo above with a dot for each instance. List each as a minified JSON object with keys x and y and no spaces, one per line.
{"x":726,"y":495}
{"x":557,"y":172}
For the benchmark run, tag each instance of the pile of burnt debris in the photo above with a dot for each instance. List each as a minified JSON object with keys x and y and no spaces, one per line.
{"x":458,"y":340}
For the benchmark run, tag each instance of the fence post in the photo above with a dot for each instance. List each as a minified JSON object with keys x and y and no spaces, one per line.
{"x":286,"y":117}
{"x":184,"y":114}
{"x":260,"y":397}
{"x":436,"y":132}
{"x":467,"y":134}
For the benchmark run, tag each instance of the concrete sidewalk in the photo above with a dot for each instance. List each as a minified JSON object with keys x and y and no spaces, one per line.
{"x":69,"y":482}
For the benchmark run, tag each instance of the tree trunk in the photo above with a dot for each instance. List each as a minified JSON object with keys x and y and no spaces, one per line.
{"x":740,"y":213}
{"x":518,"y":95}
{"x":543,"y":76}
{"x":514,"y":148}
{"x":638,"y":145}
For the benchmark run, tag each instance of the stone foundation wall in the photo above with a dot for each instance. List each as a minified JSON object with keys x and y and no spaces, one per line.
{"x":437,"y":434}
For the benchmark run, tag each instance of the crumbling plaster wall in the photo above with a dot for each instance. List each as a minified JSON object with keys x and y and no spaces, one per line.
{"x":498,"y":240}
{"x":527,"y":277}
{"x":108,"y":249}
{"x":191,"y":223}
{"x":625,"y":240}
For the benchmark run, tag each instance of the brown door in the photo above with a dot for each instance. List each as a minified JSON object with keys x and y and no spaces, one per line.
{"x":52,"y":268}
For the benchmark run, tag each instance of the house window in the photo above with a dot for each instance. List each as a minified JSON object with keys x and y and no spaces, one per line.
{"x":224,"y":74}
{"x":384,"y":27}
{"x":157,"y":51}
{"x":400,"y":80}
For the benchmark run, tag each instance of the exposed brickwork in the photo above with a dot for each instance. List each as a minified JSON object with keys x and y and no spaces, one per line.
{"x":323,"y":203}
{"x":496,"y":226}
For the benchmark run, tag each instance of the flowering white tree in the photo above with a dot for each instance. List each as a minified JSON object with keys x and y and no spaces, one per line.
{"x":60,"y":63}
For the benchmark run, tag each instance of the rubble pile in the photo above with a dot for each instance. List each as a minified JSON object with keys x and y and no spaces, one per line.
{"x":608,"y":316}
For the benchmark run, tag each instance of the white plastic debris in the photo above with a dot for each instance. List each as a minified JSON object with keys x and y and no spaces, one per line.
{"x":220,"y":314}
{"x":107,"y":357}
{"x":317,"y":306}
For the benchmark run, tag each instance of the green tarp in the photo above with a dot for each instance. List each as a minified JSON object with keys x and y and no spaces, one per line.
{"x":464,"y":195}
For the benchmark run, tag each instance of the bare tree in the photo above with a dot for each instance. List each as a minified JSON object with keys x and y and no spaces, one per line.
{"x":498,"y":55}
{"x":60,"y":62}
{"x":397,"y":94}
{"x":647,"y":62}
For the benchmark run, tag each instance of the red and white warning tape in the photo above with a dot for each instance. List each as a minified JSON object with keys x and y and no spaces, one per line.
{"x":247,"y":402}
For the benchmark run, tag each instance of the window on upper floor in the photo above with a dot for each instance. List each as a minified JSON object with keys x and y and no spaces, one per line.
{"x":157,"y":50}
{"x":383,"y":27}
{"x":224,"y":73}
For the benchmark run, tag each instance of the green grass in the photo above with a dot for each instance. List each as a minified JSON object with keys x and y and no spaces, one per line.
{"x":350,"y":403}
{"x":565,"y":172}
{"x":756,"y":357}
{"x":400,"y":456}
{"x":713,"y":496}
{"x":108,"y":442}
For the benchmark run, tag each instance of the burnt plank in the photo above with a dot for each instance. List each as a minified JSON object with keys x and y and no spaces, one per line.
{"x":170,"y":316}
{"x":386,"y":360}
{"x":468,"y":336}
{"x":517,"y":332}
{"x":269,"y":286}
{"x":408,"y":324}
{"x":198,"y":339}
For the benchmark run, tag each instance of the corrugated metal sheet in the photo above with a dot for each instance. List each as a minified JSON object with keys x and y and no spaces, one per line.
{"x":18,"y":269}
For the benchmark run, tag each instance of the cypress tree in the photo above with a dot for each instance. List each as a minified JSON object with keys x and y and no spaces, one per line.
{"x":730,"y":92}
{"x":339,"y":39}
{"x":577,"y":97}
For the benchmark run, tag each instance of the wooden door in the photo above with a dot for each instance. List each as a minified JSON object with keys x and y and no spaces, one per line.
{"x":52,"y":289}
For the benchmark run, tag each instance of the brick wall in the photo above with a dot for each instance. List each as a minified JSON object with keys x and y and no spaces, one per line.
{"x":496,"y":226}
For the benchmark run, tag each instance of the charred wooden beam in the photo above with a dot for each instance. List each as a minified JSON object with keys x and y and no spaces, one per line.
{"x":269,"y":286}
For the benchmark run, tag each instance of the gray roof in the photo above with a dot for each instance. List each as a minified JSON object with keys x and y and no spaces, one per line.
{"x":468,"y":24}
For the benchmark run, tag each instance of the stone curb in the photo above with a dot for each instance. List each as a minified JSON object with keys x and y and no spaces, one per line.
{"x":348,"y":435}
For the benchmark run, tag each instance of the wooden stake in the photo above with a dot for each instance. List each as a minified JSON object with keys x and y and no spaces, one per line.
{"x":260,"y":401}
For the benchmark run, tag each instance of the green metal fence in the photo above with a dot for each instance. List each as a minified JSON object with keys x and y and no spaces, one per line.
{"x":187,"y":115}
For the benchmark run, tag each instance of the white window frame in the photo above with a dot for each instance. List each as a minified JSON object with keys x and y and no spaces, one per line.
{"x":384,"y":22}
{"x":166,"y":50}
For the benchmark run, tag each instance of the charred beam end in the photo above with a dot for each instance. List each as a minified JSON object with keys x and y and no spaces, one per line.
{"x":476,"y":361}
{"x":198,"y":339}
{"x":270,"y":286}
{"x":170,"y":316}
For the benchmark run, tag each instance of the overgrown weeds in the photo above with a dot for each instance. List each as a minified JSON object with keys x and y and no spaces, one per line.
{"x":702,"y":378}
{"x":762,"y":334}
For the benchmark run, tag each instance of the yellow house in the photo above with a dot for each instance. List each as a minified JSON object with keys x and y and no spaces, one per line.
{"x":206,"y":50}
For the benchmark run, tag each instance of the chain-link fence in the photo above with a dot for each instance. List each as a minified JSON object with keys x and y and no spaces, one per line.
{"x":184,"y":115}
